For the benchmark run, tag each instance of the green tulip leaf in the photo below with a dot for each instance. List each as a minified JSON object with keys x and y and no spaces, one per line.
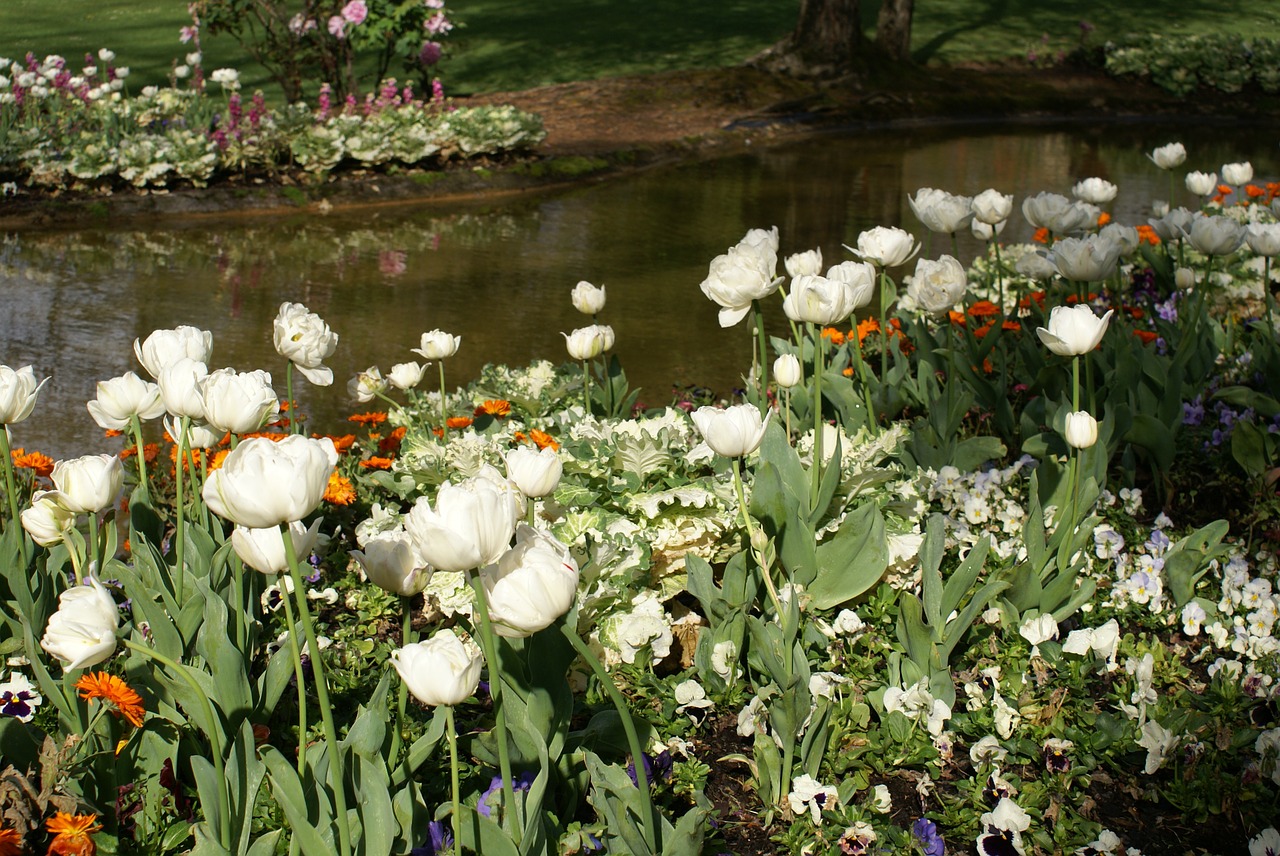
{"x":853,"y":560}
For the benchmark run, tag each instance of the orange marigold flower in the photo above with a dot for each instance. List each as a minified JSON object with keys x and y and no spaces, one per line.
{"x":957,"y":318}
{"x":340,"y":490}
{"x":1010,"y":324}
{"x":1075,"y":298}
{"x":867,"y":327}
{"x":1103,"y":219}
{"x":371,"y":418}
{"x":982,"y":331}
{"x":390,"y":444}
{"x":1253,"y":191}
{"x":112,"y":432}
{"x":458,"y":422}
{"x":1147,"y":336}
{"x":111,"y":689}
{"x":494,"y":407}
{"x":273,"y":436}
{"x":42,"y":464}
{"x":377,"y":463}
{"x":1041,"y":236}
{"x":340,"y":444}
{"x":195,"y":456}
{"x":218,"y":457}
{"x":72,"y":834}
{"x":836,"y":336}
{"x":543,"y":440}
{"x":1134,"y":311}
{"x":10,"y":842}
{"x":988,"y":366}
{"x":1273,"y":190}
{"x":984,"y":309}
{"x":1225,"y":189}
{"x":1037,"y":296}
{"x":848,"y":371}
{"x":1147,"y":235}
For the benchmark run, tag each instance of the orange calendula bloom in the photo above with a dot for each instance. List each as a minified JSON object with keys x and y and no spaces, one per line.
{"x":1103,"y":219}
{"x":542,"y":439}
{"x":371,"y":418}
{"x":112,"y":432}
{"x":377,"y":463}
{"x":867,"y":327}
{"x":982,"y":331}
{"x":111,"y":689}
{"x":1010,"y":324}
{"x":1253,"y":191}
{"x":273,"y":436}
{"x":339,"y":491}
{"x":390,"y":444}
{"x":1147,"y":235}
{"x":848,"y":371}
{"x":494,"y":407}
{"x":1225,"y":189}
{"x":1037,"y":296}
{"x":38,"y":462}
{"x":1147,"y":336}
{"x":1075,"y":298}
{"x":984,"y":309}
{"x":458,"y":422}
{"x":1041,"y":236}
{"x":340,"y":444}
{"x":836,"y":337}
{"x":957,"y":318}
{"x":72,"y":834}
{"x":10,"y":842}
{"x":218,"y":457}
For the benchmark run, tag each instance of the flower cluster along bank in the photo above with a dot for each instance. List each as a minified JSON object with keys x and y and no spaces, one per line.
{"x":63,"y":128}
{"x":945,"y":576}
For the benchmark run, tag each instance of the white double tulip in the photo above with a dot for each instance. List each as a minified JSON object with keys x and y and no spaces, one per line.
{"x":1092,"y":258}
{"x":391,"y":563}
{"x":731,"y":431}
{"x":1202,"y":183}
{"x":264,"y":550}
{"x":406,"y":375}
{"x":1095,"y":191}
{"x":1169,"y":156}
{"x":239,"y":402}
{"x":808,"y":262}
{"x":941,"y":211}
{"x":304,"y":339}
{"x":587,"y":298}
{"x":819,"y":300}
{"x":441,"y":670}
{"x":18,"y":391}
{"x":1057,"y":213}
{"x":1237,"y":173}
{"x":1073,"y":330}
{"x":48,"y":520}
{"x":1080,"y":429}
{"x":536,"y":472}
{"x":122,"y":398}
{"x":1172,"y":225}
{"x":587,"y":343}
{"x":747,"y":272}
{"x":88,"y":484}
{"x":1263,"y":238}
{"x":469,"y":527}
{"x":531,"y":585}
{"x":438,"y":345}
{"x":938,"y":285}
{"x":992,"y":207}
{"x":367,"y":385}
{"x":179,"y":383}
{"x":164,"y":347}
{"x":1217,"y":235}
{"x":266,"y":483}
{"x":82,"y":632}
{"x":886,"y":246}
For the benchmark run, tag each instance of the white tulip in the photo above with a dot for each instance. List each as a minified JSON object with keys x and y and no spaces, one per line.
{"x":732,"y":431}
{"x":406,"y":375}
{"x":819,"y":300}
{"x":264,"y":483}
{"x":1217,"y":235}
{"x":88,"y":484}
{"x":886,"y":246}
{"x":391,"y":563}
{"x":938,"y":285}
{"x":1263,"y":238}
{"x":239,"y":402}
{"x":469,"y":527}
{"x":199,"y":435}
{"x":787,"y":371}
{"x":82,"y":632}
{"x":122,"y":398}
{"x":808,"y":262}
{"x":264,"y":551}
{"x":1073,"y":330}
{"x":438,"y":345}
{"x":587,"y":298}
{"x":984,"y":232}
{"x":440,"y":670}
{"x":48,"y":520}
{"x":1202,"y":183}
{"x":940,"y":211}
{"x":1057,"y":213}
{"x":744,"y":274}
{"x":1089,"y":259}
{"x":535,"y":472}
{"x":1169,"y":156}
{"x":1080,"y":429}
{"x":164,"y":347}
{"x":992,"y":207}
{"x":18,"y":391}
{"x":302,"y":338}
{"x":1237,"y":173}
{"x":1095,"y":191}
{"x":366,"y":386}
{"x":179,"y":383}
{"x":859,"y":276}
{"x":531,"y":585}
{"x":587,"y":343}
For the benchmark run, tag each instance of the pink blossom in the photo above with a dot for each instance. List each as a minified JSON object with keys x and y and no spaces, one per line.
{"x":337,"y":26}
{"x":186,"y":34}
{"x":392,"y":262}
{"x":437,"y":24}
{"x":355,"y":12}
{"x":434,"y":4}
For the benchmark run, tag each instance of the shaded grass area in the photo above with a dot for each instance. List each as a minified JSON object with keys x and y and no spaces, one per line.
{"x":514,"y":44}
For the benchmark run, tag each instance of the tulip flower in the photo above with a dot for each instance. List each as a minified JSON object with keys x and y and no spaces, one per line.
{"x":1073,"y":330}
{"x":886,"y":246}
{"x":438,"y":345}
{"x":1217,"y":235}
{"x":1057,"y":213}
{"x":1080,"y":429}
{"x":179,"y":383}
{"x":406,"y":375}
{"x":940,"y":211}
{"x":470,"y":526}
{"x":938,"y":285}
{"x":859,"y":276}
{"x":392,"y":564}
{"x":48,"y":520}
{"x":266,"y":483}
{"x":304,"y":339}
{"x":531,"y":585}
{"x":786,"y":371}
{"x":1125,"y":236}
{"x":263,"y":549}
{"x":1237,"y":173}
{"x":1169,"y":156}
{"x":992,"y":207}
{"x":1201,"y":183}
{"x":89,"y":484}
{"x":239,"y":402}
{"x":535,"y":472}
{"x":122,"y":398}
{"x":1173,"y":225}
{"x":199,"y":435}
{"x":587,"y":343}
{"x":367,"y":385}
{"x":1095,"y":191}
{"x":165,"y":347}
{"x":732,"y":431}
{"x":744,"y":274}
{"x":1035,"y":266}
{"x":441,"y":670}
{"x":1089,"y":259}
{"x":983,"y":232}
{"x":82,"y":632}
{"x":763,"y":240}
{"x":809,"y":262}
{"x":1263,"y":238}
{"x":819,"y":300}
{"x":18,"y":391}
{"x":587,"y":298}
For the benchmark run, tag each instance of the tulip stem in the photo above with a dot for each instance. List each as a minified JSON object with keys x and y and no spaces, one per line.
{"x":213,"y":729}
{"x":884,"y":325}
{"x":11,"y":492}
{"x":299,"y":678}
{"x":873,"y":423}
{"x":179,"y":538}
{"x":408,"y":637}
{"x":762,"y":378}
{"x":652,"y":827}
{"x":765,"y":571}
{"x":136,"y":425}
{"x":94,"y":569}
{"x":454,"y":786}
{"x":489,"y":643}
{"x":999,"y":275}
{"x":815,"y":472}
{"x":444,"y":406}
{"x":586,"y":389}
{"x":1266,"y":297}
{"x":336,"y":772}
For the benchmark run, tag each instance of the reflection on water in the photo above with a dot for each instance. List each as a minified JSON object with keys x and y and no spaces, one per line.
{"x":500,"y":275}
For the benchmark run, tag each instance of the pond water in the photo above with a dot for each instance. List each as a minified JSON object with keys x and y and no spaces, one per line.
{"x":499,"y":274}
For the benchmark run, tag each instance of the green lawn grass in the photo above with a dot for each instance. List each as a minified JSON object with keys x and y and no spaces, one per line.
{"x":515,"y":44}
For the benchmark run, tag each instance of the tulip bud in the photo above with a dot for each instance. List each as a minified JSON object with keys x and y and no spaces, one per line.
{"x":441,"y":670}
{"x":263,"y":549}
{"x":734,"y":431}
{"x":1184,"y":278}
{"x":1202,"y":184}
{"x":1080,"y":429}
{"x":587,"y":299}
{"x":535,"y":472}
{"x":786,"y":371}
{"x":18,"y":391}
{"x":391,"y":563}
{"x":82,"y":632}
{"x":89,"y":484}
{"x":1237,"y":173}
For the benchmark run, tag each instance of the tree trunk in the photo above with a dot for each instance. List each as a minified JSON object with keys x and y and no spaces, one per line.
{"x":893,"y":29}
{"x":826,"y":43}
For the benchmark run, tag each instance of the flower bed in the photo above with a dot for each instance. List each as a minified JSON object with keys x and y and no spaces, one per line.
{"x":928,"y":586}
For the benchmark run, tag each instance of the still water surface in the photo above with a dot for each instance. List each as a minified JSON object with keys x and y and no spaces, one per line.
{"x":499,"y":274}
